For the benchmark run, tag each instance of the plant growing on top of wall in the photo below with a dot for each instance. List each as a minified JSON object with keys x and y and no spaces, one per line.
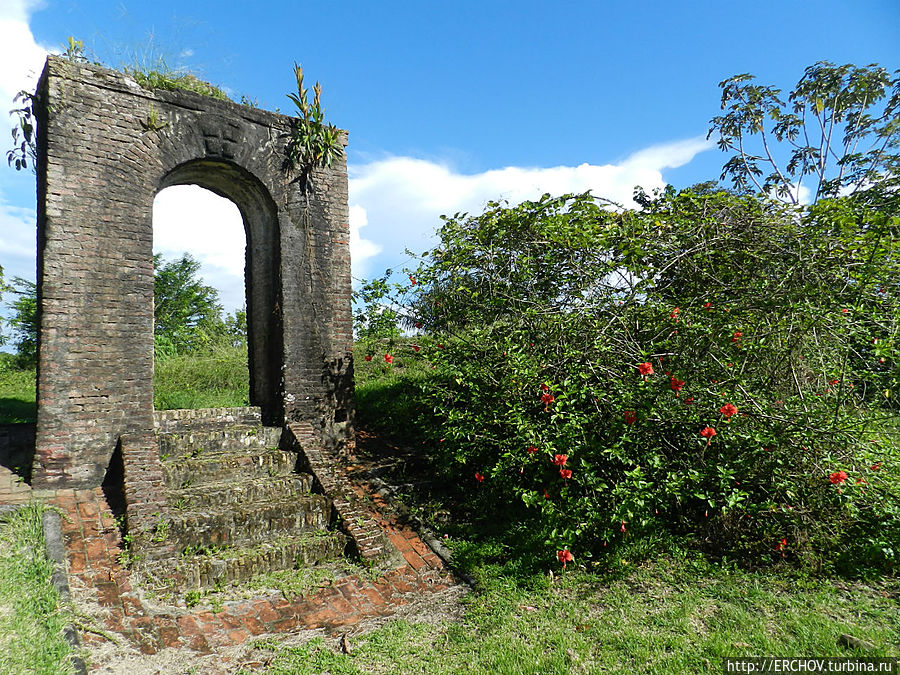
{"x":312,"y":143}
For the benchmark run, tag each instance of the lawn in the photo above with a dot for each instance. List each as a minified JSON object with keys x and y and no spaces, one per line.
{"x":676,"y":614}
{"x":31,"y":620}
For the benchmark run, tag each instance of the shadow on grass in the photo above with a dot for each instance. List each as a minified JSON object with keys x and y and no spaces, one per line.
{"x":17,"y":411}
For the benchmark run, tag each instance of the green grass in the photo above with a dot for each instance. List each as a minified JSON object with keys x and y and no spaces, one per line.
{"x":31,"y":622}
{"x":215,"y":379}
{"x":387,"y":396}
{"x":673,"y":615}
{"x":17,"y":397}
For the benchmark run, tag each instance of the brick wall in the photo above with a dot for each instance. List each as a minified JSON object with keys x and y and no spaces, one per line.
{"x":105,"y":148}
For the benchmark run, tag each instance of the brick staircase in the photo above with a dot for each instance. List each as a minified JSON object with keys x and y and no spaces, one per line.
{"x":236,"y":504}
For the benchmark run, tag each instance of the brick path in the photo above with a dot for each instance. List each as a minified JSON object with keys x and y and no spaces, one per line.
{"x":93,"y":544}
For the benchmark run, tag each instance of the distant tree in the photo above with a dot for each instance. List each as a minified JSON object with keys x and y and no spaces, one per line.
{"x":840,"y":126}
{"x":186,"y":313}
{"x":24,"y":322}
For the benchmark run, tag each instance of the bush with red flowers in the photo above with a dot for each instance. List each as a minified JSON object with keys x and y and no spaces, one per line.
{"x":720,"y":422}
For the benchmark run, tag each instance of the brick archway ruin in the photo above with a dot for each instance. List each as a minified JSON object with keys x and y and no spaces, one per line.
{"x":106,"y":147}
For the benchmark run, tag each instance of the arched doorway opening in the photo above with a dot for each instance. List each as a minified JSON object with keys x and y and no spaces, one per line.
{"x":233,"y":242}
{"x":200,"y":327}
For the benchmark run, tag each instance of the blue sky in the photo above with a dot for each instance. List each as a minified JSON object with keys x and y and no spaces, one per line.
{"x":449,"y":105}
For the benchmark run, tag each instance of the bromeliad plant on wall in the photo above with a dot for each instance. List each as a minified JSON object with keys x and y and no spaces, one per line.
{"x":312,"y":143}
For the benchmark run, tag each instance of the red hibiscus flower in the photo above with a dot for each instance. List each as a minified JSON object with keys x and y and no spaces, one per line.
{"x":478,"y":477}
{"x":547,"y":399}
{"x":876,"y":466}
{"x":630,"y":417}
{"x":532,"y":449}
{"x":412,"y":280}
{"x":565,"y":473}
{"x":689,"y":401}
{"x":838,"y":477}
{"x":622,"y":529}
{"x":645,"y":368}
{"x":440,"y":346}
{"x":674,"y":314}
{"x":833,"y":382}
{"x":708,"y":433}
{"x":560,"y":460}
{"x":565,"y":557}
{"x":728,"y":410}
{"x":368,"y":357}
{"x":416,"y":348}
{"x":675,"y":384}
{"x":707,"y":305}
{"x":388,"y":358}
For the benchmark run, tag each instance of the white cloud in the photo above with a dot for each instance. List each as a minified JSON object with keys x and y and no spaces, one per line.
{"x":401,"y":198}
{"x":190,"y":219}
{"x":21,"y":57}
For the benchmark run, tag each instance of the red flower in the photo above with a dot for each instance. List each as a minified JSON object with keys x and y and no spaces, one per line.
{"x":544,"y":386}
{"x":844,"y":311}
{"x":388,"y":358}
{"x":689,"y":401}
{"x":645,"y":369}
{"x":547,"y":399}
{"x":532,"y":449}
{"x":630,"y":417}
{"x":560,"y":460}
{"x":565,"y":473}
{"x":565,"y":557}
{"x":780,"y":546}
{"x":674,"y":314}
{"x":876,"y":466}
{"x":736,"y":337}
{"x":833,"y":382}
{"x":412,"y":280}
{"x":368,"y":357}
{"x":440,"y":346}
{"x":418,"y":324}
{"x":728,"y":410}
{"x":546,"y":495}
{"x":838,"y":477}
{"x":622,"y":529}
{"x":675,"y":384}
{"x":707,"y":305}
{"x":708,"y":433}
{"x":478,"y":477}
{"x":416,"y":348}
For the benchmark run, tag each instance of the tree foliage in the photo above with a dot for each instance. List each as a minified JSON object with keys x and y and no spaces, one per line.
{"x":24,"y":322}
{"x":840,"y":128}
{"x":705,"y":366}
{"x":186,"y":312}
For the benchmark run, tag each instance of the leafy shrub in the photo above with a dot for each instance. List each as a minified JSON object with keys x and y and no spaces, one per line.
{"x":717,"y":366}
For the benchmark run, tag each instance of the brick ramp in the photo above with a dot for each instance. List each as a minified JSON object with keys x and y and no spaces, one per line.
{"x":93,"y":544}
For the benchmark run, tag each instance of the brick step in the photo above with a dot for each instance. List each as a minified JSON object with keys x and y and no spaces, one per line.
{"x":217,"y":568}
{"x":176,"y":421}
{"x":220,"y":467}
{"x":251,"y":524}
{"x":198,"y":442}
{"x":240,"y":491}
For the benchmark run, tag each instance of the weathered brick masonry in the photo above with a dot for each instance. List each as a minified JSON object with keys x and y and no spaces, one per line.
{"x":106,"y":147}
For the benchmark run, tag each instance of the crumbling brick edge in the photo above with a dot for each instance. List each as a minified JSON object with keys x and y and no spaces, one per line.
{"x":56,"y":552}
{"x":371,"y":542}
{"x":387,"y":492}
